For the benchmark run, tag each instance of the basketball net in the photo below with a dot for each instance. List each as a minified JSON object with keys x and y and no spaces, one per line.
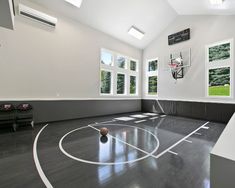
{"x":174,"y":67}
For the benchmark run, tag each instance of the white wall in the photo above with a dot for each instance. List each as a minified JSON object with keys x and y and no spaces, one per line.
{"x":222,"y":158}
{"x":204,"y":30}
{"x":37,"y":62}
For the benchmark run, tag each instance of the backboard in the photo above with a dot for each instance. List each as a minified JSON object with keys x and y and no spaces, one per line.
{"x":182,"y":58}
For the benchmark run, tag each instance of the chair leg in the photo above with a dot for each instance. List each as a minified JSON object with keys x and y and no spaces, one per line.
{"x":32,"y":124}
{"x":14,"y":127}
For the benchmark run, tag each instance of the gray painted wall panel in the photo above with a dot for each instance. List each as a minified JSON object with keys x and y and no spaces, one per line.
{"x":48,"y":111}
{"x":217,"y":112}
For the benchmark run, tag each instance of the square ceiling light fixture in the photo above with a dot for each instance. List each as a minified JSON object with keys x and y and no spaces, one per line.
{"x":136,"y":33}
{"x":76,"y":3}
{"x":217,"y":2}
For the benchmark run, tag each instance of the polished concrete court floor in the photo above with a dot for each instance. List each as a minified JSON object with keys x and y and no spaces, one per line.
{"x":142,"y":150}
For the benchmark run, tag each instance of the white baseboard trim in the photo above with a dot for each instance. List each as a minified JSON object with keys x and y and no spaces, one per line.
{"x":64,"y":99}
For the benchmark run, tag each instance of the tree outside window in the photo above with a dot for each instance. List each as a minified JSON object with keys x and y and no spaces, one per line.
{"x":152,"y":85}
{"x":105,"y":82}
{"x":120,"y":84}
{"x":132,"y":84}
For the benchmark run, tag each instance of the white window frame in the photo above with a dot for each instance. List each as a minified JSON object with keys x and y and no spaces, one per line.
{"x":220,"y":64}
{"x":150,"y":74}
{"x":114,"y":69}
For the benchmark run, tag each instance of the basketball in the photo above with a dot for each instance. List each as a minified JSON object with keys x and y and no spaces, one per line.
{"x":104,"y":131}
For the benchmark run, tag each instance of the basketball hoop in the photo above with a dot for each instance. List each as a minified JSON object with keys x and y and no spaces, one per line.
{"x":176,"y":70}
{"x":177,"y":62}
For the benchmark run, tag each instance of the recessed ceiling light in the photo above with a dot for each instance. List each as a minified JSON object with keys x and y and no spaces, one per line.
{"x":136,"y":33}
{"x":217,"y":2}
{"x":76,"y":3}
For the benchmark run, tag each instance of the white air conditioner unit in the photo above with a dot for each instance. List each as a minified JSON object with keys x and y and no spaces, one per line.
{"x":37,"y":16}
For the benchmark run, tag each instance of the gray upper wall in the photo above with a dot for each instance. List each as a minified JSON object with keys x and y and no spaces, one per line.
{"x":38,"y":62}
{"x":204,"y":30}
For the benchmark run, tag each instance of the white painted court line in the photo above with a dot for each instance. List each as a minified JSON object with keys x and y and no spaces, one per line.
{"x":150,"y":114}
{"x":47,"y":182}
{"x":115,"y":138}
{"x":106,"y":122}
{"x":189,"y":141}
{"x":174,"y":153}
{"x":125,"y":162}
{"x":107,"y":163}
{"x":177,"y":143}
{"x":206,"y":127}
{"x":37,"y":163}
{"x":140,"y":121}
{"x":124,"y":119}
{"x":138,"y":116}
{"x":198,"y":133}
{"x":153,"y":118}
{"x":163,"y":116}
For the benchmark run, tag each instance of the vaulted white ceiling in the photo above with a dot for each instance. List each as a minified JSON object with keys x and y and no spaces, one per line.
{"x":115,"y":17}
{"x":202,"y":7}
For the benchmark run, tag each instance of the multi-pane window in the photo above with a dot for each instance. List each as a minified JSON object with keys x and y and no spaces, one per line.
{"x":152,"y":76}
{"x":219,"y":68}
{"x":119,"y":74}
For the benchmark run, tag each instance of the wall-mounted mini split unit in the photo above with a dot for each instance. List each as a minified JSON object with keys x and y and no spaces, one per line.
{"x":37,"y":15}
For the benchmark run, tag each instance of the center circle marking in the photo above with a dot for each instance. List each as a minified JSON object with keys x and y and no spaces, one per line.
{"x":107,"y":163}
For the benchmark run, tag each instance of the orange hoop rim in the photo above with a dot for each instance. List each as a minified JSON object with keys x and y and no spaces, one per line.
{"x":174,"y":66}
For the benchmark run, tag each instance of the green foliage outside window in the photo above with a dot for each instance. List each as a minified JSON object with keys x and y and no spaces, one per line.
{"x":220,"y":52}
{"x":152,"y":65}
{"x":120,"y":83}
{"x":105,"y":82}
{"x":121,"y":62}
{"x":132,"y":65}
{"x":152,"y":85}
{"x":132,"y":84}
{"x":219,"y":82}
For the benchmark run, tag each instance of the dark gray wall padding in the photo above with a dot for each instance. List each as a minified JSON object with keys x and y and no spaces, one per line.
{"x":49,"y":111}
{"x":218,"y":112}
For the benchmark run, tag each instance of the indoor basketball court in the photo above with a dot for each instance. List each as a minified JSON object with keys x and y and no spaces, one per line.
{"x":137,"y":151}
{"x":117,"y":94}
